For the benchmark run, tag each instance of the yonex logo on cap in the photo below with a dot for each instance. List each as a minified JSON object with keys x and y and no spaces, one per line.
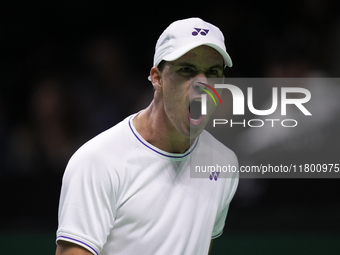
{"x":201,"y":31}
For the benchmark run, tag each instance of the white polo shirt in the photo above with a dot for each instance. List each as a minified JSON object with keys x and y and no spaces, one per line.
{"x":121,"y":195}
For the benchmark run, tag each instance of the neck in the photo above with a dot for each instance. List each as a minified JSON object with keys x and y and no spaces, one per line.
{"x":153,"y":125}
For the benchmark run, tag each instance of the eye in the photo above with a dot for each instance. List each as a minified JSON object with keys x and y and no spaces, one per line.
{"x":186,"y":70}
{"x":214,"y":72}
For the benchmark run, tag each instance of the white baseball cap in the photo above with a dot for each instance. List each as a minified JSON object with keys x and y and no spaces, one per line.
{"x":184,"y":35}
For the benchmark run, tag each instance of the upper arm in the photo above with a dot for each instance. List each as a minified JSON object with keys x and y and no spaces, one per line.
{"x":67,"y":248}
{"x":87,"y":204}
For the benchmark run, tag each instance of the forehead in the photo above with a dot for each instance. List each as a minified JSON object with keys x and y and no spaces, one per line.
{"x":202,"y":55}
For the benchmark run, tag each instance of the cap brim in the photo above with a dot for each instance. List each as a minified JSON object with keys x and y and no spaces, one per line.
{"x":181,"y":51}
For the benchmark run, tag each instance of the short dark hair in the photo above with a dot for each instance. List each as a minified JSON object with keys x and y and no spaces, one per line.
{"x":161,"y":65}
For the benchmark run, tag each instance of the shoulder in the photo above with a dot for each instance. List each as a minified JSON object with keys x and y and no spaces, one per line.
{"x":105,"y":152}
{"x":114,"y":139}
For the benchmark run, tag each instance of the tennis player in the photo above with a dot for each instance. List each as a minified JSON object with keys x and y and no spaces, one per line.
{"x":129,"y":190}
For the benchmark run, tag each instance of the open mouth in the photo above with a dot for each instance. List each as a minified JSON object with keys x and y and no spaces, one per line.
{"x":195,"y":114}
{"x":195,"y":109}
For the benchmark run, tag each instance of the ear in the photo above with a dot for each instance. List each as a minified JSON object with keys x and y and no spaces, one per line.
{"x":156,"y":78}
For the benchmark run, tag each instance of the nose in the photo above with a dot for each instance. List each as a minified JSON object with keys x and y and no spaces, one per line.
{"x":199,"y":81}
{"x":200,"y":86}
{"x":201,"y":77}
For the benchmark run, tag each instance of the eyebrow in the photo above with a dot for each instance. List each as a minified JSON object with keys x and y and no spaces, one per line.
{"x":194,"y":66}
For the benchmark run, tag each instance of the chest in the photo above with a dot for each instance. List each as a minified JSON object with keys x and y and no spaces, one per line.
{"x":161,"y":194}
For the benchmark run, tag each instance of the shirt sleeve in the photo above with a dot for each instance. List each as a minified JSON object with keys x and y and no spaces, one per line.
{"x":87,"y":206}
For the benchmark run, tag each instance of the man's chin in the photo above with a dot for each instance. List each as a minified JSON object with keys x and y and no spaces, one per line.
{"x":197,"y":125}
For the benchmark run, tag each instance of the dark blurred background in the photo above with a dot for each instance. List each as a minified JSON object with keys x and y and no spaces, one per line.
{"x":69,"y":70}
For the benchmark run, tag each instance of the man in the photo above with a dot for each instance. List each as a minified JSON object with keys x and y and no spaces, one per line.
{"x":128,"y":190}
